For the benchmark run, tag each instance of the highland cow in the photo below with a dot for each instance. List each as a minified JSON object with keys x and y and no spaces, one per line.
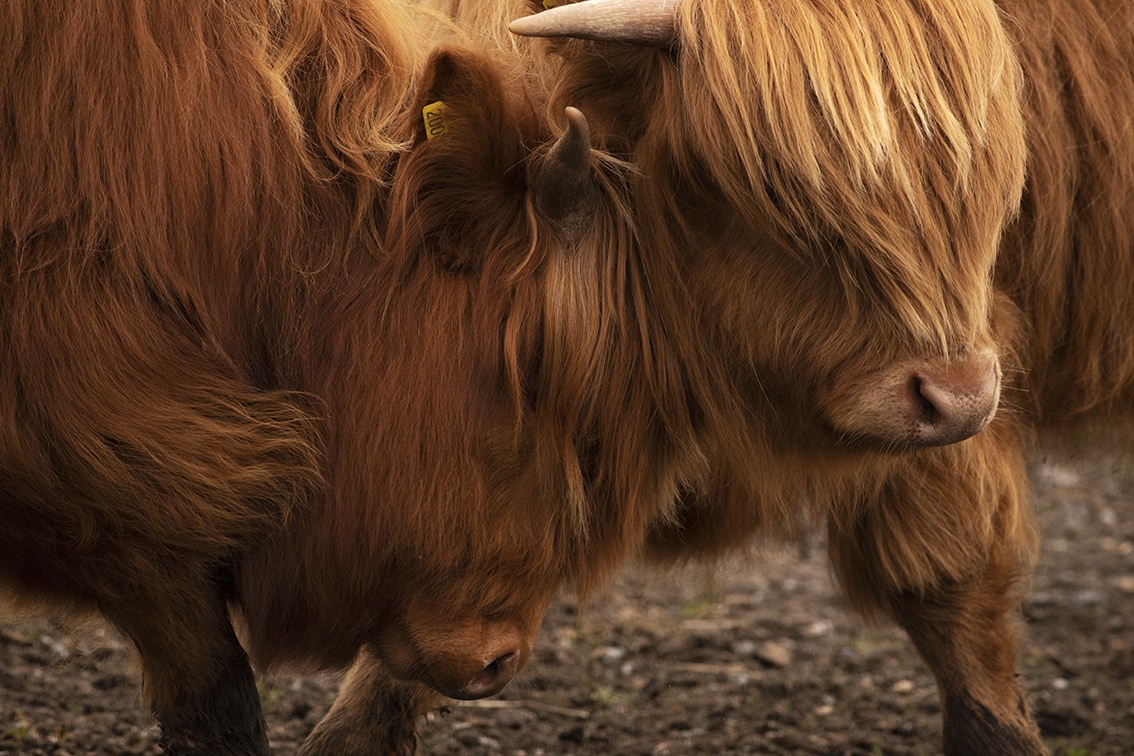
{"x":267,"y":349}
{"x":874,"y":248}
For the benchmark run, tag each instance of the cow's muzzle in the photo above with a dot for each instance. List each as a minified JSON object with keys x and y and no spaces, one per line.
{"x":919,"y":402}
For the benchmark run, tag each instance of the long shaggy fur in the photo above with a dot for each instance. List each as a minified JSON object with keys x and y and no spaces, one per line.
{"x":227,"y":375}
{"x":146,"y":152}
{"x":1069,"y":263}
{"x":826,"y":187}
{"x":266,"y":345}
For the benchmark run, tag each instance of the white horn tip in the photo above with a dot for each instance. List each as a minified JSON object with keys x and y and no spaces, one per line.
{"x":575,"y":116}
{"x":524,"y":27}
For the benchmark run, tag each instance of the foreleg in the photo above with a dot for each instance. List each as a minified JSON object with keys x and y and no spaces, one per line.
{"x":946,"y":551}
{"x":373,"y":714}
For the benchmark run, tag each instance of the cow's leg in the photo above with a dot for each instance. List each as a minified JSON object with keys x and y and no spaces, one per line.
{"x":373,"y":714}
{"x":196,"y":674}
{"x":966,"y":634}
{"x":945,"y":551}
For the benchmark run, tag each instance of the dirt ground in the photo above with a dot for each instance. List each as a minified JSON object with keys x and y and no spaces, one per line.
{"x":759,"y":659}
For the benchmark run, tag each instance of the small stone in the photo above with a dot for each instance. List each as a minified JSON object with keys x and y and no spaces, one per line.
{"x":1125,"y":583}
{"x":611,"y":654}
{"x":773,"y":654}
{"x":818,"y":629}
{"x":744,"y":648}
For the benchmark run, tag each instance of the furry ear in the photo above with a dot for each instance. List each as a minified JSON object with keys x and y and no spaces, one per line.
{"x":459,"y":193}
{"x":469,"y":84}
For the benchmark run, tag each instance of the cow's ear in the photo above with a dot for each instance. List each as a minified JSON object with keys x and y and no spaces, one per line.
{"x":465,"y":101}
{"x":458,"y":86}
{"x":461,"y":187}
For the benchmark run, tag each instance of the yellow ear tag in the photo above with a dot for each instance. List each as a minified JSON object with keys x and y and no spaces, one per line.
{"x":549,"y":4}
{"x":434,"y":116}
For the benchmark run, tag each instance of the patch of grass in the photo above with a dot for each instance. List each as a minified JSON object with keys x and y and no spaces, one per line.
{"x":18,"y":732}
{"x":1064,"y":748}
{"x":269,"y":694}
{"x":603,"y":696}
{"x":696,"y":609}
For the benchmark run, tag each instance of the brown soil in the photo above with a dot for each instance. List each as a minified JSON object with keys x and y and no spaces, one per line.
{"x":757,"y":658}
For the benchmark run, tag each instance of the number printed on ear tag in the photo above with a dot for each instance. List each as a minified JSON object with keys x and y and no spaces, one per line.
{"x":434,"y":116}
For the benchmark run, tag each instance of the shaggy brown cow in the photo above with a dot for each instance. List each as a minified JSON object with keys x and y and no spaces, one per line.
{"x":541,"y":487}
{"x":834,"y":281}
{"x":266,"y":347}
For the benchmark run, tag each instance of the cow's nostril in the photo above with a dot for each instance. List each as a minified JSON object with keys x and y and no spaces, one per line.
{"x":499,"y":671}
{"x":927,"y":412}
{"x":953,"y":401}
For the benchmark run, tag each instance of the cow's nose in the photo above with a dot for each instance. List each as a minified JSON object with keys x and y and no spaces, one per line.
{"x":491,"y":680}
{"x":955,"y":399}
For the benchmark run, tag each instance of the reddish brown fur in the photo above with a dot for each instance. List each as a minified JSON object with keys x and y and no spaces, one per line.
{"x":137,"y":483}
{"x":1068,"y":264}
{"x":494,"y":534}
{"x":264,"y":345}
{"x":829,"y":186}
{"x":675,"y":373}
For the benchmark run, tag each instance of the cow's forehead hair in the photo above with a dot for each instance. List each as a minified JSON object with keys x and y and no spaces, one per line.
{"x":895,"y":130}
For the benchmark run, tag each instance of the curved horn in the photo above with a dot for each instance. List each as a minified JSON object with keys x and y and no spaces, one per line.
{"x":651,"y":23}
{"x":563,"y":190}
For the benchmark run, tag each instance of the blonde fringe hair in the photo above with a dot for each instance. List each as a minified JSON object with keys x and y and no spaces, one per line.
{"x":882,"y":129}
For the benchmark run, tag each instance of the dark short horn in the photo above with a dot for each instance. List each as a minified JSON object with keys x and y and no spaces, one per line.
{"x":638,"y":22}
{"x":564,"y":191}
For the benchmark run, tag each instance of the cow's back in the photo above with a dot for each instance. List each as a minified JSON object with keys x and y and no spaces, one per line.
{"x":141,"y":163}
{"x":1069,"y":260}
